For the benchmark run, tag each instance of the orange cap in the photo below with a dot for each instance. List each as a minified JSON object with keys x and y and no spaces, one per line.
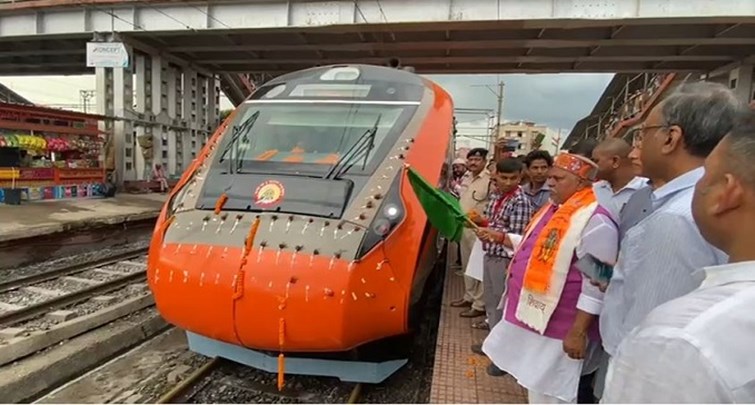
{"x":581,"y":166}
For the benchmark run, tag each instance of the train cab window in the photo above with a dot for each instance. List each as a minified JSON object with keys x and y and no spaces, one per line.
{"x":312,"y":136}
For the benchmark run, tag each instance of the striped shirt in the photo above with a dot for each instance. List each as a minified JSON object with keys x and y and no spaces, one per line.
{"x":508,"y":216}
{"x":659,"y":259}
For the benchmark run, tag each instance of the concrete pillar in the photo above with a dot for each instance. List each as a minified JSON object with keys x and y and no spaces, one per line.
{"x":159,"y":111}
{"x":182,"y":160}
{"x":740,"y":80}
{"x":174,"y":163}
{"x":112,"y":153}
{"x":213,"y":104}
{"x":201,"y":111}
{"x":189,"y":115}
{"x":123,"y":132}
{"x":142,"y":79}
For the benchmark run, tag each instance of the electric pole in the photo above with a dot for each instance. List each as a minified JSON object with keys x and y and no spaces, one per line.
{"x":85,"y":96}
{"x":557,"y":142}
{"x":500,"y":108}
{"x":499,"y":96}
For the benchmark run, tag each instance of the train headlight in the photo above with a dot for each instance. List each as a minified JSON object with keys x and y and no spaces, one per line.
{"x":390,"y":213}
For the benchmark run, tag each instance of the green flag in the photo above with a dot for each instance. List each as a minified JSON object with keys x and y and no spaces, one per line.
{"x":442,"y":209}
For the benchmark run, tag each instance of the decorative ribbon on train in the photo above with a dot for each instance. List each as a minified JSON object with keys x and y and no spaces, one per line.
{"x":281,"y":358}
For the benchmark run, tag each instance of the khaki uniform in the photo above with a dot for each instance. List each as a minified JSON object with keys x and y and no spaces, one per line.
{"x":474,"y":196}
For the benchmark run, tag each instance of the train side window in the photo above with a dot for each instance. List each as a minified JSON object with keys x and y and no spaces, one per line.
{"x":445,"y":172}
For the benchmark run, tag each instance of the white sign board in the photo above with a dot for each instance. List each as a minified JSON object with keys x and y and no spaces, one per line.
{"x":107,"y":54}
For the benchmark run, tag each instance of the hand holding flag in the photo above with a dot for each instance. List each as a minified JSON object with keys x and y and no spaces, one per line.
{"x":443,"y":210}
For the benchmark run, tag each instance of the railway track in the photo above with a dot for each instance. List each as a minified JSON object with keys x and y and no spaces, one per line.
{"x":201,"y":379}
{"x":35,"y":295}
{"x":69,"y":270}
{"x":59,"y":322}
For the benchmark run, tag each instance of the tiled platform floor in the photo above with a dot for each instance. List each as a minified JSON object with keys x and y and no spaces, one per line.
{"x":459,"y":375}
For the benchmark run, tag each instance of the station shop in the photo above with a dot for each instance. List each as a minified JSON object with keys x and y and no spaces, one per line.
{"x":49,"y":154}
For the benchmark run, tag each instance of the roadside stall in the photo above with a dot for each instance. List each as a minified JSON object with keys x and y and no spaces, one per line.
{"x":49,"y":154}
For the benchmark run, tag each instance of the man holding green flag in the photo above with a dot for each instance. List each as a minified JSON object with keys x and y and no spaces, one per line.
{"x":475,"y":190}
{"x":449,"y":217}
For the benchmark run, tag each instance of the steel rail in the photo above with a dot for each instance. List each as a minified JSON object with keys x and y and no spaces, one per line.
{"x":190,"y":381}
{"x":68,"y":270}
{"x":43,"y":307}
{"x":355,"y":393}
{"x":183,"y":386}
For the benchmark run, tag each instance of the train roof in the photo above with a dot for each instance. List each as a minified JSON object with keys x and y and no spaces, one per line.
{"x":367,"y":73}
{"x":350,"y":81}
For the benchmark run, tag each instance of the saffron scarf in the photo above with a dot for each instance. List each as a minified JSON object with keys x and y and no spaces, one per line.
{"x":540,"y":267}
{"x":551,"y":259}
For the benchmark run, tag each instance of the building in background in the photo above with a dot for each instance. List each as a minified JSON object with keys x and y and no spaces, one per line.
{"x":521,"y":137}
{"x":513,"y":139}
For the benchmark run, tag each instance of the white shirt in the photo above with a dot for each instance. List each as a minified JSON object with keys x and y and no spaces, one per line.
{"x":615,"y":201}
{"x":660,"y":259}
{"x":699,"y":348}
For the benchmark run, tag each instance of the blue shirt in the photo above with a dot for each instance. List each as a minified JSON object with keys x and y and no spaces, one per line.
{"x":539,"y":197}
{"x":614,"y":202}
{"x":659,"y":259}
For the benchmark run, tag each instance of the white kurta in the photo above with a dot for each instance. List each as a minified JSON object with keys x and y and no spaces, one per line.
{"x":539,"y":363}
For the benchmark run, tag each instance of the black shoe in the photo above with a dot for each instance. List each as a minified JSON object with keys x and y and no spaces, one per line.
{"x":494,"y":371}
{"x":471,"y":313}
{"x":477,"y":349}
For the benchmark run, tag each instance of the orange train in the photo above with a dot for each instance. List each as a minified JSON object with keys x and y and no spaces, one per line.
{"x":296,"y":231}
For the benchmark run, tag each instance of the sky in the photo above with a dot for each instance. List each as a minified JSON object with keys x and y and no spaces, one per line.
{"x":557,"y":100}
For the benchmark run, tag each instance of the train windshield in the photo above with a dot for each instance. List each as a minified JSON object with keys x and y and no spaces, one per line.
{"x":309,"y":137}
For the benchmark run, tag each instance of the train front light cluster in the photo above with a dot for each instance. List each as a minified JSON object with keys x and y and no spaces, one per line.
{"x":391,"y":212}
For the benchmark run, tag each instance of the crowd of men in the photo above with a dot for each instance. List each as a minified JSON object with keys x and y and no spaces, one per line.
{"x":618,"y":272}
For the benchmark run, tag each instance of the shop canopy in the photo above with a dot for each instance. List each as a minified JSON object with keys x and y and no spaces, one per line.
{"x":44,"y":119}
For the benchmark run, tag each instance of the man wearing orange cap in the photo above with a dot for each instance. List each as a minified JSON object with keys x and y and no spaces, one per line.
{"x":550,"y":330}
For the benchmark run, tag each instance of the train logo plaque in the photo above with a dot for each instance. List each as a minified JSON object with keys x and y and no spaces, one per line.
{"x":269,"y":193}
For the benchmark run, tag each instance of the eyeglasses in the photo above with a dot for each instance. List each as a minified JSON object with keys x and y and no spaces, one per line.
{"x":638,"y":134}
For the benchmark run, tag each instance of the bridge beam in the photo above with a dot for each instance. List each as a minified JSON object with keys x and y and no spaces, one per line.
{"x":133,"y":16}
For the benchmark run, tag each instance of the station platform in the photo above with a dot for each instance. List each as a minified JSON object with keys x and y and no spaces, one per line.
{"x":51,"y":216}
{"x":459,"y":376}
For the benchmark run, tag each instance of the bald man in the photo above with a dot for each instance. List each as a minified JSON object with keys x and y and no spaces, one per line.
{"x":616,"y":174}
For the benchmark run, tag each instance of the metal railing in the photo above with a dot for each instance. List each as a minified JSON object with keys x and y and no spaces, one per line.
{"x":627,"y":104}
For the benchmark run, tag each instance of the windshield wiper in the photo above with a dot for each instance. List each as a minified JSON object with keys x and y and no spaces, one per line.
{"x":361,"y":148}
{"x":238,"y":131}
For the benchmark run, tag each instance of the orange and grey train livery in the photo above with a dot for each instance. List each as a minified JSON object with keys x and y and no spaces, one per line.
{"x":295,"y":231}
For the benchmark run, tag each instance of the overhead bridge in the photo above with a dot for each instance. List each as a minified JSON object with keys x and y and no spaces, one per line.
{"x":434,"y":36}
{"x":190,"y":47}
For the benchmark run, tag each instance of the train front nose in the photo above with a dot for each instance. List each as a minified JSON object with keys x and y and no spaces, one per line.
{"x":297,"y":286}
{"x":317,"y":303}
{"x":276,"y":296}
